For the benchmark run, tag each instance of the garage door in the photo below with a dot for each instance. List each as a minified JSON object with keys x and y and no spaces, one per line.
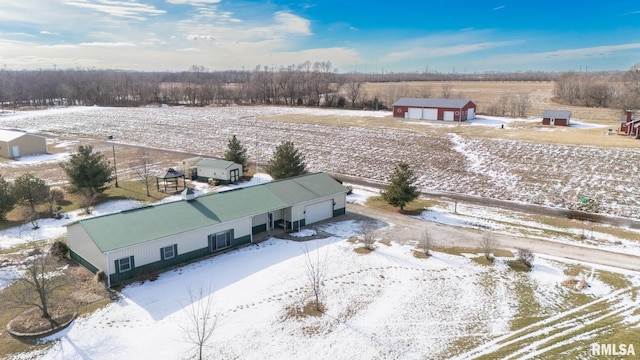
{"x":318,"y":212}
{"x":471,"y":114}
{"x":430,"y":114}
{"x":448,"y":115}
{"x":415,"y":113}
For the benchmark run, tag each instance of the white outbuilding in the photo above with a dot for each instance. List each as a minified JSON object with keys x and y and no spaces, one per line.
{"x":220,"y":170}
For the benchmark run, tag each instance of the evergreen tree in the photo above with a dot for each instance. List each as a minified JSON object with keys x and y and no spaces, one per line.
{"x":237,"y":153}
{"x":401,"y":189}
{"x":286,"y":162}
{"x":31,"y":190}
{"x":87,"y":170}
{"x":7,"y":199}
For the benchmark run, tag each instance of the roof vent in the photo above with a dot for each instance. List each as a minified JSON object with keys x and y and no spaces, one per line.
{"x":188,"y":194}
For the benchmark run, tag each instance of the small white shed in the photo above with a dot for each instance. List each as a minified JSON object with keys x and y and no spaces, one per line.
{"x":221,"y":170}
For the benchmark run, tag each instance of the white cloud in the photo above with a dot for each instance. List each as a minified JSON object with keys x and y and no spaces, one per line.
{"x":201,"y":37}
{"x":292,"y":23}
{"x":193,"y":2}
{"x":596,"y":51}
{"x":442,"y":51}
{"x":131,"y":10}
{"x":45,"y":32}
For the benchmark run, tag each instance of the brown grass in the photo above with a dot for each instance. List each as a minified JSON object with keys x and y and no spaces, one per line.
{"x":362,"y":250}
{"x":485,"y":94}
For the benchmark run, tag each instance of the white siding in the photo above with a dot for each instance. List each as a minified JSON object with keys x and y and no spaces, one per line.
{"x":80,"y":242}
{"x":149,"y":252}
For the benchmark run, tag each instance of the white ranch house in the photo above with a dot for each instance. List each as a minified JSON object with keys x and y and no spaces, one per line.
{"x":147,"y":239}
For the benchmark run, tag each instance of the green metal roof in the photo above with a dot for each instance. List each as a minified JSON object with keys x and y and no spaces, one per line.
{"x":215,"y":163}
{"x":137,"y":226}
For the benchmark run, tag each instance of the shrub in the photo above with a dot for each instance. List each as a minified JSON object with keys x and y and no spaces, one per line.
{"x":101,"y":276}
{"x":59,"y":249}
{"x":526,"y":257}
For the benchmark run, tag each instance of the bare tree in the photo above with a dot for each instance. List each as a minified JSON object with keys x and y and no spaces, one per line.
{"x":426,"y":242}
{"x":525,"y":256}
{"x":447,"y":90}
{"x":87,"y":197}
{"x":355,"y":89}
{"x":425,"y":91}
{"x":31,"y":215}
{"x":488,"y":245}
{"x":38,"y":284}
{"x":368,"y":234}
{"x":315,"y":271}
{"x":143,"y":170}
{"x":202,"y":319}
{"x":56,"y":195}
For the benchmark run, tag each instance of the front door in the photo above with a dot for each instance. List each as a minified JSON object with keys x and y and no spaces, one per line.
{"x":552,"y":121}
{"x":234,"y":175}
{"x":16,"y":151}
{"x":270,"y":221}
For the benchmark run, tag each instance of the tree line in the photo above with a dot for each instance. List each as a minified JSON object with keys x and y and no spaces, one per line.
{"x":307,"y":84}
{"x":603,"y":89}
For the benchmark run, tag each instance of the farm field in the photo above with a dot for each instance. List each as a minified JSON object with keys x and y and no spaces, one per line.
{"x":518,"y":164}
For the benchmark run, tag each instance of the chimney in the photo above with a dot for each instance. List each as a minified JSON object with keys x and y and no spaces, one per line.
{"x":629,"y":115}
{"x":188,"y":194}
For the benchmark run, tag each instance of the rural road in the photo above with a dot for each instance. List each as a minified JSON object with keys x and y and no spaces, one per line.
{"x":406,"y":229}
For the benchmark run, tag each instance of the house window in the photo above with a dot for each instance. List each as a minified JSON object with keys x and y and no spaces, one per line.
{"x":168,"y":252}
{"x":123,"y":264}
{"x":399,"y":110}
{"x":220,"y":240}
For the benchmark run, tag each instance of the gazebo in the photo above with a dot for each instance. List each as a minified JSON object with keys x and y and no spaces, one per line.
{"x":171,"y":176}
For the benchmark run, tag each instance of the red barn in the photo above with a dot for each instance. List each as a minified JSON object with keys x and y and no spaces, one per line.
{"x":556,"y":117}
{"x":629,"y":125}
{"x":434,"y":109}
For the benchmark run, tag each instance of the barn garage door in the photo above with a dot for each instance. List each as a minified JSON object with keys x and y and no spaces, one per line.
{"x":448,"y":115}
{"x":318,"y":212}
{"x":430,"y":114}
{"x":471,"y":114}
{"x":415,"y":113}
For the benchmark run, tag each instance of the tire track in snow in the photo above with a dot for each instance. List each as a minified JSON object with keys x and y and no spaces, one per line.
{"x":548,"y":325}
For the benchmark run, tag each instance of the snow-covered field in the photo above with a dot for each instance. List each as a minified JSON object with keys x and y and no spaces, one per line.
{"x":504,"y":169}
{"x":387,"y":304}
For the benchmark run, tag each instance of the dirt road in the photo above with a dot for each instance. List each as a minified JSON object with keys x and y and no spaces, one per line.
{"x":407,"y":230}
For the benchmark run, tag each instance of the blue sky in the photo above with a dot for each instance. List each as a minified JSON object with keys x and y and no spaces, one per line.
{"x":405,"y":36}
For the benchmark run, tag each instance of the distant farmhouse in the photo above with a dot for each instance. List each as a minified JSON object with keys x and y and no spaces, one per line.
{"x":556,"y":117}
{"x":434,"y":109}
{"x":14,"y":144}
{"x":152,"y":238}
{"x":220,"y":170}
{"x":629,"y":126}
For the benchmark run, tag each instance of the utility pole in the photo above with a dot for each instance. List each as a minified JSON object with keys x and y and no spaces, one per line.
{"x":115,"y":170}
